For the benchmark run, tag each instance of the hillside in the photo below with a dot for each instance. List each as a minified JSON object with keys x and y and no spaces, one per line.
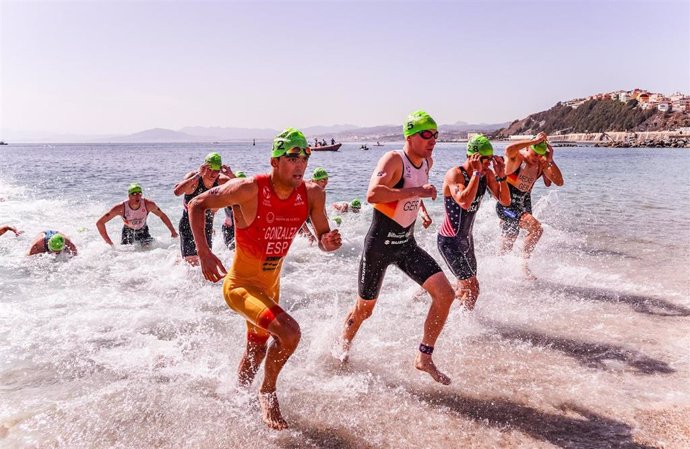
{"x":597,"y":116}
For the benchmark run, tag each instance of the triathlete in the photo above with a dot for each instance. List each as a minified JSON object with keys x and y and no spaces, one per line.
{"x":397,"y":185}
{"x":134,"y":211}
{"x":272,"y":208}
{"x":52,"y":242}
{"x":526,"y":161}
{"x":211,"y":173}
{"x":228,"y":227}
{"x":463,"y":190}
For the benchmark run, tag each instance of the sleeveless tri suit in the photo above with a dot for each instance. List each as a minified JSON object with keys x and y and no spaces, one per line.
{"x":390,"y":239}
{"x":135,"y":228}
{"x":252,"y":285}
{"x":455,"y":241}
{"x":520,"y":184}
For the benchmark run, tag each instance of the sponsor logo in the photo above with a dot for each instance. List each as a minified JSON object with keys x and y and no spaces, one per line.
{"x":298,"y":200}
{"x":270,"y":217}
{"x":267,"y":192}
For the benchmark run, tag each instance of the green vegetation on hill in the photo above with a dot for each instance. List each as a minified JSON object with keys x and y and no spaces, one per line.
{"x":596,"y":116}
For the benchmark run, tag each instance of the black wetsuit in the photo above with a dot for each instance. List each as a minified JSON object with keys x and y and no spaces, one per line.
{"x":455,"y":241}
{"x":187,"y":244}
{"x":229,"y":230}
{"x":387,"y":242}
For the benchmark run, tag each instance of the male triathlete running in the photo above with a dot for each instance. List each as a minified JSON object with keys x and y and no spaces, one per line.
{"x":397,"y":185}
{"x":272,"y":208}
{"x":210,"y":174}
{"x":526,"y":161}
{"x":463,"y":190}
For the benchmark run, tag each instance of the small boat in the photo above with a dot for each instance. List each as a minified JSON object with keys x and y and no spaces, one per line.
{"x":364,"y":148}
{"x":335,"y":147}
{"x":379,"y":144}
{"x":2,"y":142}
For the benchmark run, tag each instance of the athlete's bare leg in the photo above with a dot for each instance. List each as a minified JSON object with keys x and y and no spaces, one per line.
{"x":251,"y":361}
{"x":361,"y":311}
{"x":286,"y":335}
{"x":442,"y":297}
{"x":468,"y":292}
{"x":534,"y":232}
{"x":507,"y":242}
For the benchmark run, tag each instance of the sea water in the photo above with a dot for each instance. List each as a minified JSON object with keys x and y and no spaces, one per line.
{"x":129,"y":348}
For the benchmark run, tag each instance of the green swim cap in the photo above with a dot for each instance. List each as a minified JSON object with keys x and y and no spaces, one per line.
{"x":56,"y":243}
{"x":480,"y":144}
{"x":134,"y":188}
{"x":214,"y":161}
{"x":417,"y":122}
{"x":338,"y":220}
{"x":319,"y":174}
{"x":540,"y":148}
{"x":356,"y":204}
{"x":240,"y":174}
{"x":288,"y":139}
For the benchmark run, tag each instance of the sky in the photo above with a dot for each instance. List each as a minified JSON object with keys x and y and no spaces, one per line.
{"x":119,"y":67}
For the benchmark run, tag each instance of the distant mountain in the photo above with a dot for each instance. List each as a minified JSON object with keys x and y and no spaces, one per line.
{"x":230,"y":133}
{"x":323,"y":131}
{"x":159,"y":135}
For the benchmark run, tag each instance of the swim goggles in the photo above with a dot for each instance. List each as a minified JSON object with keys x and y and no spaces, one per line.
{"x":428,"y":134}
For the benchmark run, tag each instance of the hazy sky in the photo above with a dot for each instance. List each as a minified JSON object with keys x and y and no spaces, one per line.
{"x":121,"y":67}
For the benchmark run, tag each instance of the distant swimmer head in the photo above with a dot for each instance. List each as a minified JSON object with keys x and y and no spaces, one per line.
{"x":240,"y":174}
{"x":355,"y":205}
{"x":56,"y":243}
{"x":480,"y":144}
{"x":541,"y":148}
{"x":214,"y":161}
{"x":417,"y":122}
{"x":291,"y":143}
{"x":134,"y":188}
{"x":338,"y":220}
{"x":319,"y":174}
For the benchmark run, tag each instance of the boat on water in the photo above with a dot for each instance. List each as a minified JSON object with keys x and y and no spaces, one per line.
{"x":335,"y":147}
{"x":379,"y":144}
{"x":2,"y":142}
{"x":364,"y":147}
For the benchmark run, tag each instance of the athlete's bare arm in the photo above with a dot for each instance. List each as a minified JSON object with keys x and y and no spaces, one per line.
{"x":155,"y":210}
{"x":117,"y":210}
{"x":37,"y":246}
{"x":499,"y":190}
{"x":551,"y":171}
{"x":387,"y":173}
{"x":328,"y":240}
{"x":188,"y":183}
{"x":6,"y":228}
{"x":513,"y":157}
{"x":463,"y":194}
{"x":241,"y":192}
{"x":69,"y":246}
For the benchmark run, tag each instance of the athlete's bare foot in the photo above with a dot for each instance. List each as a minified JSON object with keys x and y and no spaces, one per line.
{"x":528,"y":273}
{"x":423,"y":362}
{"x":270,"y":411}
{"x":341,"y":351}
